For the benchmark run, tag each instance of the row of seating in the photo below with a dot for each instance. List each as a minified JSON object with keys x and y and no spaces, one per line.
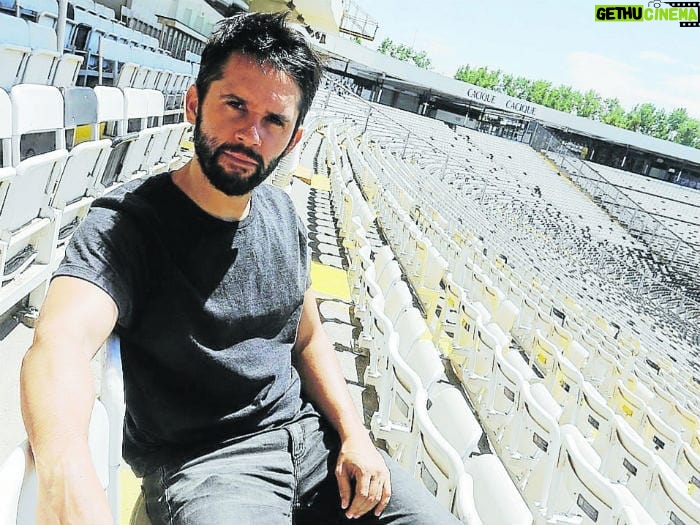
{"x":29,"y":54}
{"x":528,"y":201}
{"x":669,"y":226}
{"x":589,"y":280}
{"x":46,"y":192}
{"x":486,"y":290}
{"x":99,"y":50}
{"x":397,"y":418}
{"x":408,"y":374}
{"x":487,"y":367}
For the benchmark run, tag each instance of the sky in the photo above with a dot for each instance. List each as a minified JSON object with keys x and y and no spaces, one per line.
{"x":555,"y":40}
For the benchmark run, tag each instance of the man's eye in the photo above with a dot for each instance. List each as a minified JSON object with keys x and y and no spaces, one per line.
{"x":275,"y":120}
{"x":235,"y":104}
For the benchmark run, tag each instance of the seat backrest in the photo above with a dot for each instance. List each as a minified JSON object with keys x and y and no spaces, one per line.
{"x":5,"y":129}
{"x":110,"y":108}
{"x":628,"y":461}
{"x":411,"y":327}
{"x":80,"y":109}
{"x":35,"y":108}
{"x":31,"y":190}
{"x":594,"y":418}
{"x":439,"y":466}
{"x":668,"y":501}
{"x":453,"y":419}
{"x":42,"y":61}
{"x":136,"y":108}
{"x":578,"y":489}
{"x":425,"y":361}
{"x":14,"y":50}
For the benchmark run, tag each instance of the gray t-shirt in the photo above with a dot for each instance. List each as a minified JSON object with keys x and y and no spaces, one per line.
{"x":208,"y":313}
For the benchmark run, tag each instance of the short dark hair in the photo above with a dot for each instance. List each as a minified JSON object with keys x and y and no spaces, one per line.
{"x":266,"y":38}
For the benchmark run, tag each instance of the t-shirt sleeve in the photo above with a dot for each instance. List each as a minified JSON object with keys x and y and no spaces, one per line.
{"x":106,"y":252}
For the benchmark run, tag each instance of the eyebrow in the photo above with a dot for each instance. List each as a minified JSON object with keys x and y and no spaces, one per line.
{"x":231,"y":97}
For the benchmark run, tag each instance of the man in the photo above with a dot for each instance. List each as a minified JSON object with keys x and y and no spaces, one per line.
{"x":203,"y":273}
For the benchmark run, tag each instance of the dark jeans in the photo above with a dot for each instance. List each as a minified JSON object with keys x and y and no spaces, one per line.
{"x":281,"y":476}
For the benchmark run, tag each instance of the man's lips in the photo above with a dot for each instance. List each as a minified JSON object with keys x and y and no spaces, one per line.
{"x":240,"y":158}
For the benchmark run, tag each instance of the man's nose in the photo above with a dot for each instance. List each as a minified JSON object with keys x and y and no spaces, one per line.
{"x":248,"y":134}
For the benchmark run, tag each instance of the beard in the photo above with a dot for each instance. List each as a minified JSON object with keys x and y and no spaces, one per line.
{"x":234,"y":182}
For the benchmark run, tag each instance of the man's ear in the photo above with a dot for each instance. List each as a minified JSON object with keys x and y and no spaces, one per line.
{"x":294,"y":140}
{"x":191,"y":104}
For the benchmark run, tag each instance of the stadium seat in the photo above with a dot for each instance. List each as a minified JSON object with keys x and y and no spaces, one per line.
{"x":5,"y":130}
{"x":366,"y":283}
{"x":542,"y":354}
{"x":464,"y":341}
{"x":442,"y":320}
{"x":687,"y":467}
{"x":490,"y":477}
{"x":502,"y":402}
{"x":110,"y":110}
{"x":658,"y":436}
{"x":439,"y":466}
{"x":379,"y":330}
{"x":411,"y":328}
{"x":667,"y":499}
{"x":397,"y":393}
{"x":533,"y":442}
{"x":594,"y":418}
{"x":85,"y":162}
{"x":627,"y":460}
{"x":397,"y":300}
{"x":28,"y":226}
{"x":42,"y":61}
{"x":14,"y":50}
{"x":565,"y":383}
{"x":479,"y":363}
{"x":580,"y":493}
{"x":506,"y":315}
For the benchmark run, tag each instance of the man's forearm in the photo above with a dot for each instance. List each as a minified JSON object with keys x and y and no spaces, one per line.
{"x":321,"y":376}
{"x":323,"y":382}
{"x":57,"y":395}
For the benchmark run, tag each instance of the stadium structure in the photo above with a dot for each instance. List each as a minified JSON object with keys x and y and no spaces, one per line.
{"x":512,"y":291}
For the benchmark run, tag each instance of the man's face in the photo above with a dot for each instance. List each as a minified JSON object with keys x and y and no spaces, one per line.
{"x":244,"y":125}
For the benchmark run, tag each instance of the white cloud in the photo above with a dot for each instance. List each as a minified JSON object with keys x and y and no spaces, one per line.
{"x":443,"y":55}
{"x":634,"y":85}
{"x":655,"y":56}
{"x":607,"y":76}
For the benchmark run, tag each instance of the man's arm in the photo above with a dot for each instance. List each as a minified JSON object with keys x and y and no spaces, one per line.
{"x":57,"y":393}
{"x":323,"y":382}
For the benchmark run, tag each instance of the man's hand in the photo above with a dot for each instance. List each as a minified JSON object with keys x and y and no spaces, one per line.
{"x":360,"y":462}
{"x":74,"y":496}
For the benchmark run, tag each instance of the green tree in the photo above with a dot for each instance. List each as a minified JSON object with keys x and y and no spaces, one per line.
{"x":562,"y":98}
{"x":645,"y":118}
{"x":506,"y":85}
{"x":689,"y":133}
{"x":641,"y":118}
{"x":406,"y":53}
{"x":591,"y":105}
{"x":613,"y":113}
{"x":538,"y":91}
{"x":482,"y":76}
{"x":676,"y":119}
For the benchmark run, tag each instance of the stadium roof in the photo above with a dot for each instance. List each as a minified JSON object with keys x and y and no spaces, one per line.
{"x":364,"y":62}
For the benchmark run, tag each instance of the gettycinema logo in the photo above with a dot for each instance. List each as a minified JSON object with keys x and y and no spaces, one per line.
{"x":685,"y":13}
